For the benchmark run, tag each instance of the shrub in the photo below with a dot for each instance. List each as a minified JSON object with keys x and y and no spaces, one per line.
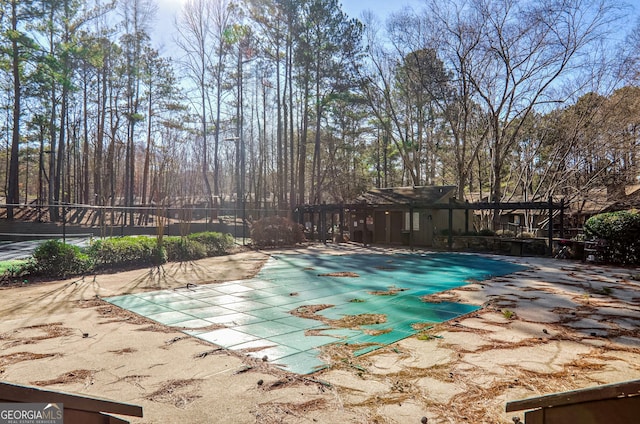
{"x":216,"y":244}
{"x":485,"y":232}
{"x":505,"y":233}
{"x":184,"y":249}
{"x":54,"y":258}
{"x":622,"y":232}
{"x":14,"y":269}
{"x":127,"y":252}
{"x":275,"y":231}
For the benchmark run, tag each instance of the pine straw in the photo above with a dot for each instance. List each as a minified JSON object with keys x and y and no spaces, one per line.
{"x":287,"y":412}
{"x":347,"y":321}
{"x":473,"y":403}
{"x":14,"y":358}
{"x":123,"y":351}
{"x":378,"y":332}
{"x":392,"y":291}
{"x":178,"y":393}
{"x":114,"y":314}
{"x":157,"y":328}
{"x":311,"y":332}
{"x":468,"y":288}
{"x":448,"y":296}
{"x":440,"y":372}
{"x":341,"y":356}
{"x":34,"y":333}
{"x":50,"y":330}
{"x":456,"y":327}
{"x":90,"y":303}
{"x":340,"y":274}
{"x":75,"y":376}
{"x":175,"y":340}
{"x":309,"y":311}
{"x":133,"y":379}
{"x":204,"y":328}
{"x":422,"y":326}
{"x":355,"y":321}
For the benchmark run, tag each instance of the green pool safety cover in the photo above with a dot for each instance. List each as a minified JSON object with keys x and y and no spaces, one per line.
{"x":256,"y":314}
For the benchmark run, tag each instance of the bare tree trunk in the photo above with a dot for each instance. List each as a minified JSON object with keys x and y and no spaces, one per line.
{"x":12,"y":195}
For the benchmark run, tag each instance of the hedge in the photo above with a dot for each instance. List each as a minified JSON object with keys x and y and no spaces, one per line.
{"x":53,"y":258}
{"x":275,"y":231}
{"x":621,"y":230}
{"x":130,"y":251}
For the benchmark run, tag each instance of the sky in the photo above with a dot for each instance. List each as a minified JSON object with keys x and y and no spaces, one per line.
{"x":168,"y":9}
{"x":381,"y":8}
{"x":164,"y":32}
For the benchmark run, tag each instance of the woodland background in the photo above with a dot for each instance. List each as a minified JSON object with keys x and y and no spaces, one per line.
{"x":275,"y":103}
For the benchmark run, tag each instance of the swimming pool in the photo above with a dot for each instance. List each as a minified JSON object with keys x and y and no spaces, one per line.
{"x":277,"y":315}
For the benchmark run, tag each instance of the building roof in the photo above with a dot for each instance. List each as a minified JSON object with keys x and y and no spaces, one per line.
{"x":406,"y":195}
{"x":630,"y":200}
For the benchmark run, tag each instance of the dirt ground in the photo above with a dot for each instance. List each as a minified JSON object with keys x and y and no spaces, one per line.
{"x":556,"y":326}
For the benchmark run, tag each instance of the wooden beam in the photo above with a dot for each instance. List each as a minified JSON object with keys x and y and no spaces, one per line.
{"x":450,"y":234}
{"x":550,"y":225}
{"x":609,"y":411}
{"x":609,"y":391}
{"x":75,"y":416}
{"x":421,"y":205}
{"x":411,"y":226}
{"x":26,"y":394}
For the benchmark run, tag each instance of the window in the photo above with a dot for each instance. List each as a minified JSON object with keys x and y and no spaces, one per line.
{"x":407,"y":221}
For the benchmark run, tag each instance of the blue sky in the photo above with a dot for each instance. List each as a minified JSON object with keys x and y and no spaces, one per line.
{"x":380,"y":8}
{"x":168,"y":9}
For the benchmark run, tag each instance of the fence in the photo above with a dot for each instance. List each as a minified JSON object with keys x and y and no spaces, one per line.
{"x":33,"y":221}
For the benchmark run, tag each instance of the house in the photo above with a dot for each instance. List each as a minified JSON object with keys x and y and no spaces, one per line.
{"x":630,"y":199}
{"x":405,"y":215}
{"x":515,"y":217}
{"x":408,"y":216}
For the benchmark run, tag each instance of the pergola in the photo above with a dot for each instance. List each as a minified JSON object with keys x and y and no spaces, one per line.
{"x":322,"y":210}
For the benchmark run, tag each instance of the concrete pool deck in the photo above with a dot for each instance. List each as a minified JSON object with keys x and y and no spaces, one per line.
{"x":557,"y":325}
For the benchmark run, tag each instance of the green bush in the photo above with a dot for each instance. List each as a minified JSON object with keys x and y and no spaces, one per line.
{"x":275,"y":231}
{"x":505,"y":233}
{"x":54,"y":258}
{"x":183,"y":249}
{"x":13,"y":267}
{"x":485,"y":232}
{"x":127,"y":251}
{"x":216,"y":244}
{"x":12,"y":270}
{"x":621,"y":230}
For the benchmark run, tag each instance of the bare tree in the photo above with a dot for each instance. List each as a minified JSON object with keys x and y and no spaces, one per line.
{"x":523,"y":50}
{"x":201,"y":27}
{"x":137,"y":15}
